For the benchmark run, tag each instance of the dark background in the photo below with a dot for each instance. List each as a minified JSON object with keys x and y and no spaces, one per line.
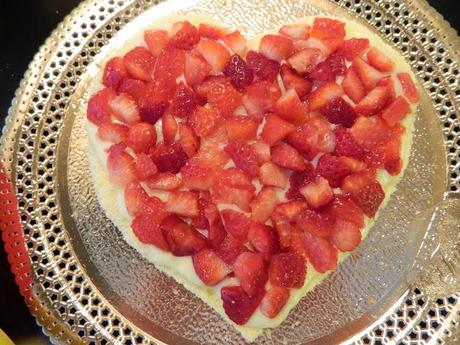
{"x":24,"y":26}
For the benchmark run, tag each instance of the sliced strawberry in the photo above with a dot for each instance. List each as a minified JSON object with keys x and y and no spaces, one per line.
{"x":164,"y":181}
{"x":339,"y":112}
{"x":291,"y":108}
{"x":244,"y":156}
{"x":199,"y":175}
{"x":168,"y":158}
{"x":215,"y":54}
{"x":410,"y":90}
{"x":241,"y":127}
{"x":325,"y":28}
{"x":261,"y":97}
{"x":396,"y":111}
{"x":121,"y":166}
{"x":262,"y":150}
{"x":236,"y":224}
{"x":136,"y":199}
{"x":323,"y":95}
{"x":332,"y":169}
{"x":210,"y":267}
{"x":365,"y":191}
{"x":346,"y":145}
{"x":238,"y":306}
{"x":343,"y":207}
{"x":183,"y":203}
{"x":184,"y":102}
{"x":204,"y":120}
{"x":275,"y":129}
{"x":294,"y":81}
{"x":275,"y":47}
{"x":222,"y":94}
{"x":320,"y":252}
{"x":147,"y":229}
{"x":262,"y":67}
{"x":288,"y":157}
{"x":184,"y":35}
{"x":370,"y":132}
{"x":251,"y":271}
{"x":169,"y":66}
{"x":239,"y":72}
{"x":317,"y":193}
{"x":99,"y":110}
{"x":316,"y":222}
{"x":169,"y":128}
{"x":389,"y":84}
{"x":353,"y":86}
{"x":145,"y":167}
{"x":263,"y":204}
{"x":139,"y":63}
{"x":204,"y":205}
{"x":287,"y":270}
{"x":188,"y":140}
{"x":183,"y":240}
{"x":298,"y":180}
{"x":133,"y":87}
{"x":114,"y":72}
{"x":272,"y":175}
{"x":230,"y":248}
{"x":264,"y":239}
{"x":296,"y":31}
{"x":329,"y":69}
{"x":305,"y":60}
{"x":274,"y":300}
{"x":212,"y":155}
{"x":346,"y":236}
{"x":369,"y":75}
{"x":217,"y":235}
{"x":379,"y":60}
{"x":152,"y":105}
{"x":113,"y":132}
{"x":125,"y":109}
{"x":156,"y":40}
{"x":353,"y":164}
{"x":312,"y":43}
{"x":236,"y":42}
{"x":141,"y":137}
{"x":373,"y":102}
{"x":282,"y":217}
{"x":196,"y":69}
{"x":210,"y":31}
{"x":353,"y":47}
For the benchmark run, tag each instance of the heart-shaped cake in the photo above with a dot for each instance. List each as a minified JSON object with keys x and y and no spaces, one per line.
{"x":246,"y":170}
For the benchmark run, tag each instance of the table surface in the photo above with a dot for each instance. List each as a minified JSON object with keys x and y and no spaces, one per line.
{"x":24,"y":26}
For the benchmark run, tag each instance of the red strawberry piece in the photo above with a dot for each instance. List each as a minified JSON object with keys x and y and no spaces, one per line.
{"x":316,"y":222}
{"x":294,"y":81}
{"x":184,"y":35}
{"x":339,"y":112}
{"x":229,"y":248}
{"x":370,"y":132}
{"x":296,"y":31}
{"x":263,"y":204}
{"x":282,"y":217}
{"x":353,"y":47}
{"x":262,"y":67}
{"x":210,"y":31}
{"x":365,"y":191}
{"x":368,"y":74}
{"x":320,"y":252}
{"x":120,"y":165}
{"x":133,"y":87}
{"x":136,"y":199}
{"x":264,"y":239}
{"x":262,"y":150}
{"x":346,"y":145}
{"x":139,"y":63}
{"x":152,"y":104}
{"x":274,"y":300}
{"x":389,"y":84}
{"x":300,"y":179}
{"x":196,"y":69}
{"x":169,"y":128}
{"x":291,"y":108}
{"x":244,"y":156}
{"x":410,"y":90}
{"x":288,"y":157}
{"x":353,"y":86}
{"x":141,"y":137}
{"x":343,"y":207}
{"x":204,"y":201}
{"x":217,"y":235}
{"x":114,"y":72}
{"x":147,"y":229}
{"x":169,"y":66}
{"x":200,"y":173}
{"x":99,"y":110}
{"x":204,"y":120}
{"x":353,"y":164}
{"x":210,"y":267}
{"x":236,"y":42}
{"x":261,"y":97}
{"x":168,"y":158}
{"x":346,"y":236}
{"x":251,"y":270}
{"x":379,"y":60}
{"x":183,"y":203}
{"x":323,"y":95}
{"x":275,"y":47}
{"x":164,"y":181}
{"x":156,"y":40}
{"x":287,"y":270}
{"x":212,"y":155}
{"x":125,"y":109}
{"x":145,"y":167}
{"x":393,"y":162}
{"x":275,"y":129}
{"x":215,"y":54}
{"x":183,"y":240}
{"x":113,"y":132}
{"x":223,"y":95}
{"x":332,"y":169}
{"x":373,"y":102}
{"x":328,"y":70}
{"x":241,"y":127}
{"x":324,"y":28}
{"x":311,"y":43}
{"x":305,"y":60}
{"x":238,"y":306}
{"x":188,"y":140}
{"x":317,"y":193}
{"x":396,"y":111}
{"x":236,"y":224}
{"x":184,"y":102}
{"x":239,"y":72}
{"x":272,"y":175}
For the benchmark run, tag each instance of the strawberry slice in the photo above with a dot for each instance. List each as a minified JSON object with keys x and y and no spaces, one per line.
{"x":236,"y":42}
{"x":210,"y":267}
{"x":125,"y":109}
{"x":329,"y":69}
{"x":137,"y":200}
{"x":244,"y":156}
{"x":238,"y":306}
{"x":296,"y":31}
{"x":183,"y":203}
{"x":344,"y":208}
{"x":275,"y":129}
{"x":183,"y":240}
{"x":320,"y":253}
{"x":152,"y":105}
{"x":380,"y":61}
{"x":260,"y":97}
{"x":139,"y":63}
{"x":241,"y":127}
{"x":113,"y":132}
{"x":99,"y":110}
{"x":199,"y":175}
{"x":291,"y":108}
{"x":274,"y":300}
{"x":184,"y":102}
{"x":389,"y":84}
{"x":292,"y":80}
{"x":346,"y":145}
{"x":353,"y":86}
{"x":145,"y":167}
{"x":121,"y":166}
{"x":114,"y":72}
{"x":288,"y":157}
{"x":147,"y":229}
{"x":346,"y":236}
{"x":353,"y":164}
{"x":370,"y":132}
{"x":287,"y":270}
{"x":325,"y":28}
{"x":188,"y":140}
{"x":353,"y":47}
{"x":298,"y":180}
{"x":317,"y":193}
{"x":141,"y":137}
{"x":262,"y":67}
{"x":369,"y":75}
{"x":305,"y":60}
{"x":239,"y":72}
{"x":262,"y":150}
{"x":263,"y":204}
{"x":204,"y":120}
{"x":264,"y":239}
{"x":205,"y":205}
{"x":251,"y":270}
{"x":164,"y":181}
{"x":282,"y":217}
{"x":332,"y":169}
{"x":169,"y":128}
{"x":222,"y":94}
{"x":210,"y":31}
{"x":156,"y":41}
{"x":275,"y":47}
{"x":233,"y":186}
{"x":184,"y":35}
{"x":316,"y":222}
{"x":133,"y":87}
{"x":410,"y":90}
{"x":396,"y":111}
{"x":215,"y":54}
{"x":169,"y":66}
{"x":217,"y":235}
{"x":339,"y":112}
{"x":236,"y":224}
{"x":196,"y":69}
{"x":365,"y":191}
{"x":323,"y":95}
{"x":168,"y":158}
{"x":272,"y":175}
{"x":375,"y":101}
{"x":230,"y":248}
